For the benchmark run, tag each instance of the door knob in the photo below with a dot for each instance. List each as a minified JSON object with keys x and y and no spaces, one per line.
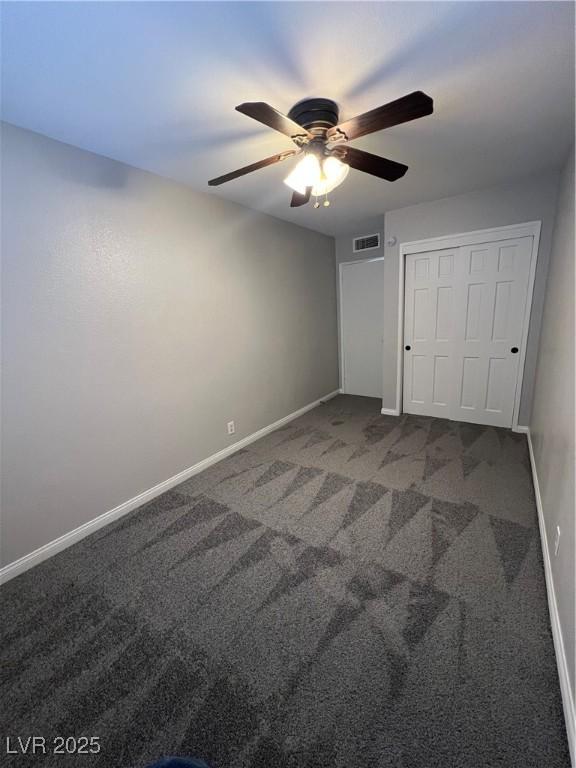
{"x":407,"y":347}
{"x":514,"y":350}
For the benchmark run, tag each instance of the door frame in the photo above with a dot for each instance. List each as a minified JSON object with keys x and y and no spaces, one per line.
{"x":476,"y":237}
{"x":343,"y":264}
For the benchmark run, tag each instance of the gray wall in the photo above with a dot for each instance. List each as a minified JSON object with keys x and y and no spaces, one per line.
{"x":140,"y":317}
{"x":552,"y":424}
{"x":527,"y":200}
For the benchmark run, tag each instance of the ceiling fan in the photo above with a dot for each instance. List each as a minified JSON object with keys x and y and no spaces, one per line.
{"x":312,"y":124}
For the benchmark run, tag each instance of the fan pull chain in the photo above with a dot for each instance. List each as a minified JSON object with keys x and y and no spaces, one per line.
{"x":326,"y":202}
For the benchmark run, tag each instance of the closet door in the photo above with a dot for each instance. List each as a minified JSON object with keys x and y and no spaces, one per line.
{"x":491,"y":303}
{"x":463,"y":322}
{"x":431,"y":282}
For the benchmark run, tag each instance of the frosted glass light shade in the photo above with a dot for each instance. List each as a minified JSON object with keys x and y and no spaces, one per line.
{"x":306,"y":174}
{"x":322,"y":179}
{"x":335,"y":171}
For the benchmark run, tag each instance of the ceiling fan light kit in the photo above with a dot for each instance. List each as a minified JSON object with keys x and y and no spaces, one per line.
{"x":313,"y":126}
{"x":321,"y":174}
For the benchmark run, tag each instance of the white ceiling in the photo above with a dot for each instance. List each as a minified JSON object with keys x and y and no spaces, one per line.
{"x":155,"y":85}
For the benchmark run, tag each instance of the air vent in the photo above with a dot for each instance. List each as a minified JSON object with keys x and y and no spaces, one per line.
{"x":366,"y":243}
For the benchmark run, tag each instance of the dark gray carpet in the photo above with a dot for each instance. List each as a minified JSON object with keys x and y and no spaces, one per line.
{"x":353,"y":590}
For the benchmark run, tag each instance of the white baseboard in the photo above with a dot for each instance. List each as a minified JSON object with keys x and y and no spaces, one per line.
{"x":520,"y":428}
{"x":53,"y":547}
{"x":563,"y":674}
{"x":390,"y":412}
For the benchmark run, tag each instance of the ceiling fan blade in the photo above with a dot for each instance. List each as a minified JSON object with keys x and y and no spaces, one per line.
{"x":402,"y":110}
{"x":264,"y":113}
{"x":377,"y":166}
{"x":253,"y":167}
{"x":298,"y":199}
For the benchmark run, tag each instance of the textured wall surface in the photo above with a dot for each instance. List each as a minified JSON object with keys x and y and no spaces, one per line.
{"x":527,"y":200}
{"x":140,"y":317}
{"x":552,"y":425}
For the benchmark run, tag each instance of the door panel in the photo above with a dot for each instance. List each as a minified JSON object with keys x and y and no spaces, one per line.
{"x":469,"y":382}
{"x":476,"y":299}
{"x":495,"y":388}
{"x":501,"y":317}
{"x":420,"y":317}
{"x":419,"y":379}
{"x":429,"y":331}
{"x":444,"y":312}
{"x":442,"y":381}
{"x":362,"y":318}
{"x":492,"y":297}
{"x":464,"y":312}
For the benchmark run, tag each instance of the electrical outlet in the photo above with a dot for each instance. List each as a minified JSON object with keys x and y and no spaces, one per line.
{"x":557,"y":541}
{"x":231,"y":428}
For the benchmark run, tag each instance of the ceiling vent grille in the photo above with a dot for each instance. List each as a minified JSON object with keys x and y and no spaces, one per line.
{"x":366,"y":243}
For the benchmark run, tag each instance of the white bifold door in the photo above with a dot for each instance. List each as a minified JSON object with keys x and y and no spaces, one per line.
{"x":463,"y":324}
{"x":361,"y":321}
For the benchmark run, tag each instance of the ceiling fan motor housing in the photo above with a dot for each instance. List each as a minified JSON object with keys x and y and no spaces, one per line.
{"x":316,"y":115}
